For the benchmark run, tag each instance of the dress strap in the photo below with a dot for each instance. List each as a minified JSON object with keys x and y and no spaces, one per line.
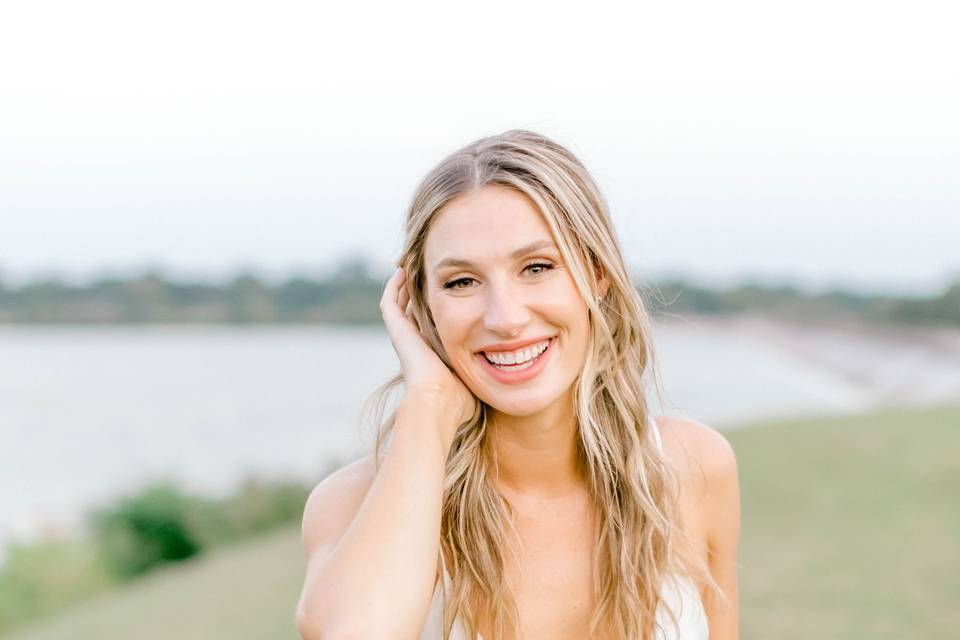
{"x":445,"y":579}
{"x":656,"y":432}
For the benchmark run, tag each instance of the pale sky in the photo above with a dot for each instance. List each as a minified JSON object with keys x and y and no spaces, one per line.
{"x":814,"y":142}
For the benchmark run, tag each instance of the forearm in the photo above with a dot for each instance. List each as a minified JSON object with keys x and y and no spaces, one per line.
{"x":378,"y":580}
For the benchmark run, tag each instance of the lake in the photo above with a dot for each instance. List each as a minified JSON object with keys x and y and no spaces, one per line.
{"x":87,"y":413}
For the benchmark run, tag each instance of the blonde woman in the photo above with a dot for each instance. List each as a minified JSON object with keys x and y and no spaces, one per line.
{"x":520,"y":489}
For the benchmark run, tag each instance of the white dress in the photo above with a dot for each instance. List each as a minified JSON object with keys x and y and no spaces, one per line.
{"x":683,"y":599}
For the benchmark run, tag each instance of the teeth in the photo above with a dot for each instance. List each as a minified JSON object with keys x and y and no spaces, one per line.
{"x":518,"y":367}
{"x":519,"y":357}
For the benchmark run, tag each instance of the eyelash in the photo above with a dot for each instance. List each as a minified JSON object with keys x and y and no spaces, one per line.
{"x":452,"y":284}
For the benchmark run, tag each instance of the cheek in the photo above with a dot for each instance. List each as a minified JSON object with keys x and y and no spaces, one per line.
{"x":564,"y":304}
{"x":452,"y":322}
{"x":569,"y":311}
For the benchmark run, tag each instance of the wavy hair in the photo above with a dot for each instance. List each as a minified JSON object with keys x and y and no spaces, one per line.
{"x":633,"y":490}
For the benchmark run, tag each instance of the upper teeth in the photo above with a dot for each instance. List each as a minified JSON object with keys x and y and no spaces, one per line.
{"x":517,"y":357}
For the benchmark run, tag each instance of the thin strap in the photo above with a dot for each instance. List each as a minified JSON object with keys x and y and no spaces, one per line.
{"x":656,"y":432}
{"x":444,"y":575}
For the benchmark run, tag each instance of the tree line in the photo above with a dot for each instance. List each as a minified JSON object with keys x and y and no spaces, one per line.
{"x":351,"y":295}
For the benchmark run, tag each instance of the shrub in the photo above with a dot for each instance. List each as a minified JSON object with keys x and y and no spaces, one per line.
{"x":145,"y":530}
{"x":256,"y":507}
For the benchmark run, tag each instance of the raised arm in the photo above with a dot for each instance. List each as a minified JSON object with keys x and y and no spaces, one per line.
{"x":372,"y":540}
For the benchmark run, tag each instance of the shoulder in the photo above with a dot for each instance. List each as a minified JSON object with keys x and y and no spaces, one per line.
{"x":710,"y":494}
{"x":333,"y":503}
{"x":693,"y":445}
{"x":706,"y":465}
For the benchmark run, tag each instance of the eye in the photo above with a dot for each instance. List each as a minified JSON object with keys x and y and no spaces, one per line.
{"x":453,"y":283}
{"x":539,"y":267}
{"x":543,"y":266}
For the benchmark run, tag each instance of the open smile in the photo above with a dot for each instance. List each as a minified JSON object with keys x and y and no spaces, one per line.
{"x":518,"y":366}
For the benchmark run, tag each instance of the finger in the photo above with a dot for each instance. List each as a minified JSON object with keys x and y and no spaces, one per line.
{"x":396,"y":306}
{"x":388,"y":301}
{"x":408,"y":312}
{"x":387,"y":287}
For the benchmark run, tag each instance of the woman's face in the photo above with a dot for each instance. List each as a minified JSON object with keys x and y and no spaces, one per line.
{"x":498,"y":289}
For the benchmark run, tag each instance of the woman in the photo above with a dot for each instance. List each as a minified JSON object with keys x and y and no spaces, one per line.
{"x":525,"y":491}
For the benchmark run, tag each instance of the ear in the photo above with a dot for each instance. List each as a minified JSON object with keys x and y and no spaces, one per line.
{"x":601,"y":277}
{"x":602,"y":285}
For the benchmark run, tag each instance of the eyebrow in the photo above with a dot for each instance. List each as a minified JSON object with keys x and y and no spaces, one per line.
{"x":533,"y":246}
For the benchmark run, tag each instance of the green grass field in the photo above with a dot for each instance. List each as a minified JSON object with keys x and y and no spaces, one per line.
{"x":851,"y":529}
{"x":248,"y":591}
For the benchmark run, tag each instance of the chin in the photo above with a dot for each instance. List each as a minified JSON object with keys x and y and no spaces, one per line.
{"x":520,"y":405}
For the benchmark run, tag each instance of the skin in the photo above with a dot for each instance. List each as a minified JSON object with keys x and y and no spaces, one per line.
{"x":501,"y":298}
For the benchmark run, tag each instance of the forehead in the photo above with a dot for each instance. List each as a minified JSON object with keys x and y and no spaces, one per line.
{"x":487,"y":222}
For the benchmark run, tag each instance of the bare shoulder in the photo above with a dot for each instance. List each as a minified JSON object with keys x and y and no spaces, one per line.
{"x":708,"y":471}
{"x":707,"y":468}
{"x":333,"y":503}
{"x":695,"y":441}
{"x":701,"y":454}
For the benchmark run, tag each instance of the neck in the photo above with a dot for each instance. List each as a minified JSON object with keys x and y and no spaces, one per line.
{"x":537,"y":454}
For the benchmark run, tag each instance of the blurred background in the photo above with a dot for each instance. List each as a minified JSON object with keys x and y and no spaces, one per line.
{"x":201,"y":201}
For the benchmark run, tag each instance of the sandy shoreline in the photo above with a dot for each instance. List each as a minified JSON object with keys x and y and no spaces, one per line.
{"x":894,"y":365}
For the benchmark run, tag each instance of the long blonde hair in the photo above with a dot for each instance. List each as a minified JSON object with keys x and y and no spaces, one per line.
{"x":633,"y":489}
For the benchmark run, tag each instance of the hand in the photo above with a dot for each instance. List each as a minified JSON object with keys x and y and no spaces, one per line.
{"x":424,"y":373}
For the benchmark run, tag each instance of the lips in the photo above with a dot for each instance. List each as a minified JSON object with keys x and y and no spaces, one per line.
{"x":514,"y":375}
{"x":515,"y":345}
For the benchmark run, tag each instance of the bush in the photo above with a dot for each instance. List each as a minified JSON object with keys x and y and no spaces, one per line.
{"x":162,"y":524}
{"x":133,"y":535}
{"x":256,"y":507}
{"x":145,"y":530}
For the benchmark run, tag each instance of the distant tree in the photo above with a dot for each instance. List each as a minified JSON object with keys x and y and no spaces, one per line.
{"x":943,"y":308}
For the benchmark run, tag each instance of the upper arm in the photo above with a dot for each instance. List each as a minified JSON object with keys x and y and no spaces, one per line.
{"x":722,"y":507}
{"x":327,"y":514}
{"x":332,"y":505}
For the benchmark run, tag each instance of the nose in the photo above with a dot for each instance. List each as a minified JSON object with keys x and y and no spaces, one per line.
{"x":506,"y":312}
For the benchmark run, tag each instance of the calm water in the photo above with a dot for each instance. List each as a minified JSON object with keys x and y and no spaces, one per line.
{"x":88,"y":413}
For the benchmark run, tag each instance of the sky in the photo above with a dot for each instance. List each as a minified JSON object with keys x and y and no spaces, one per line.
{"x":811,"y":143}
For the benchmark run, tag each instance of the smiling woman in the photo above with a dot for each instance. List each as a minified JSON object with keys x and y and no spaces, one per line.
{"x":521,"y":489}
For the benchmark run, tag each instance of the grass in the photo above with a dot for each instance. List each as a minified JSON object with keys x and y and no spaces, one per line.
{"x":851,"y":526}
{"x":851,"y":529}
{"x":248,"y":591}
